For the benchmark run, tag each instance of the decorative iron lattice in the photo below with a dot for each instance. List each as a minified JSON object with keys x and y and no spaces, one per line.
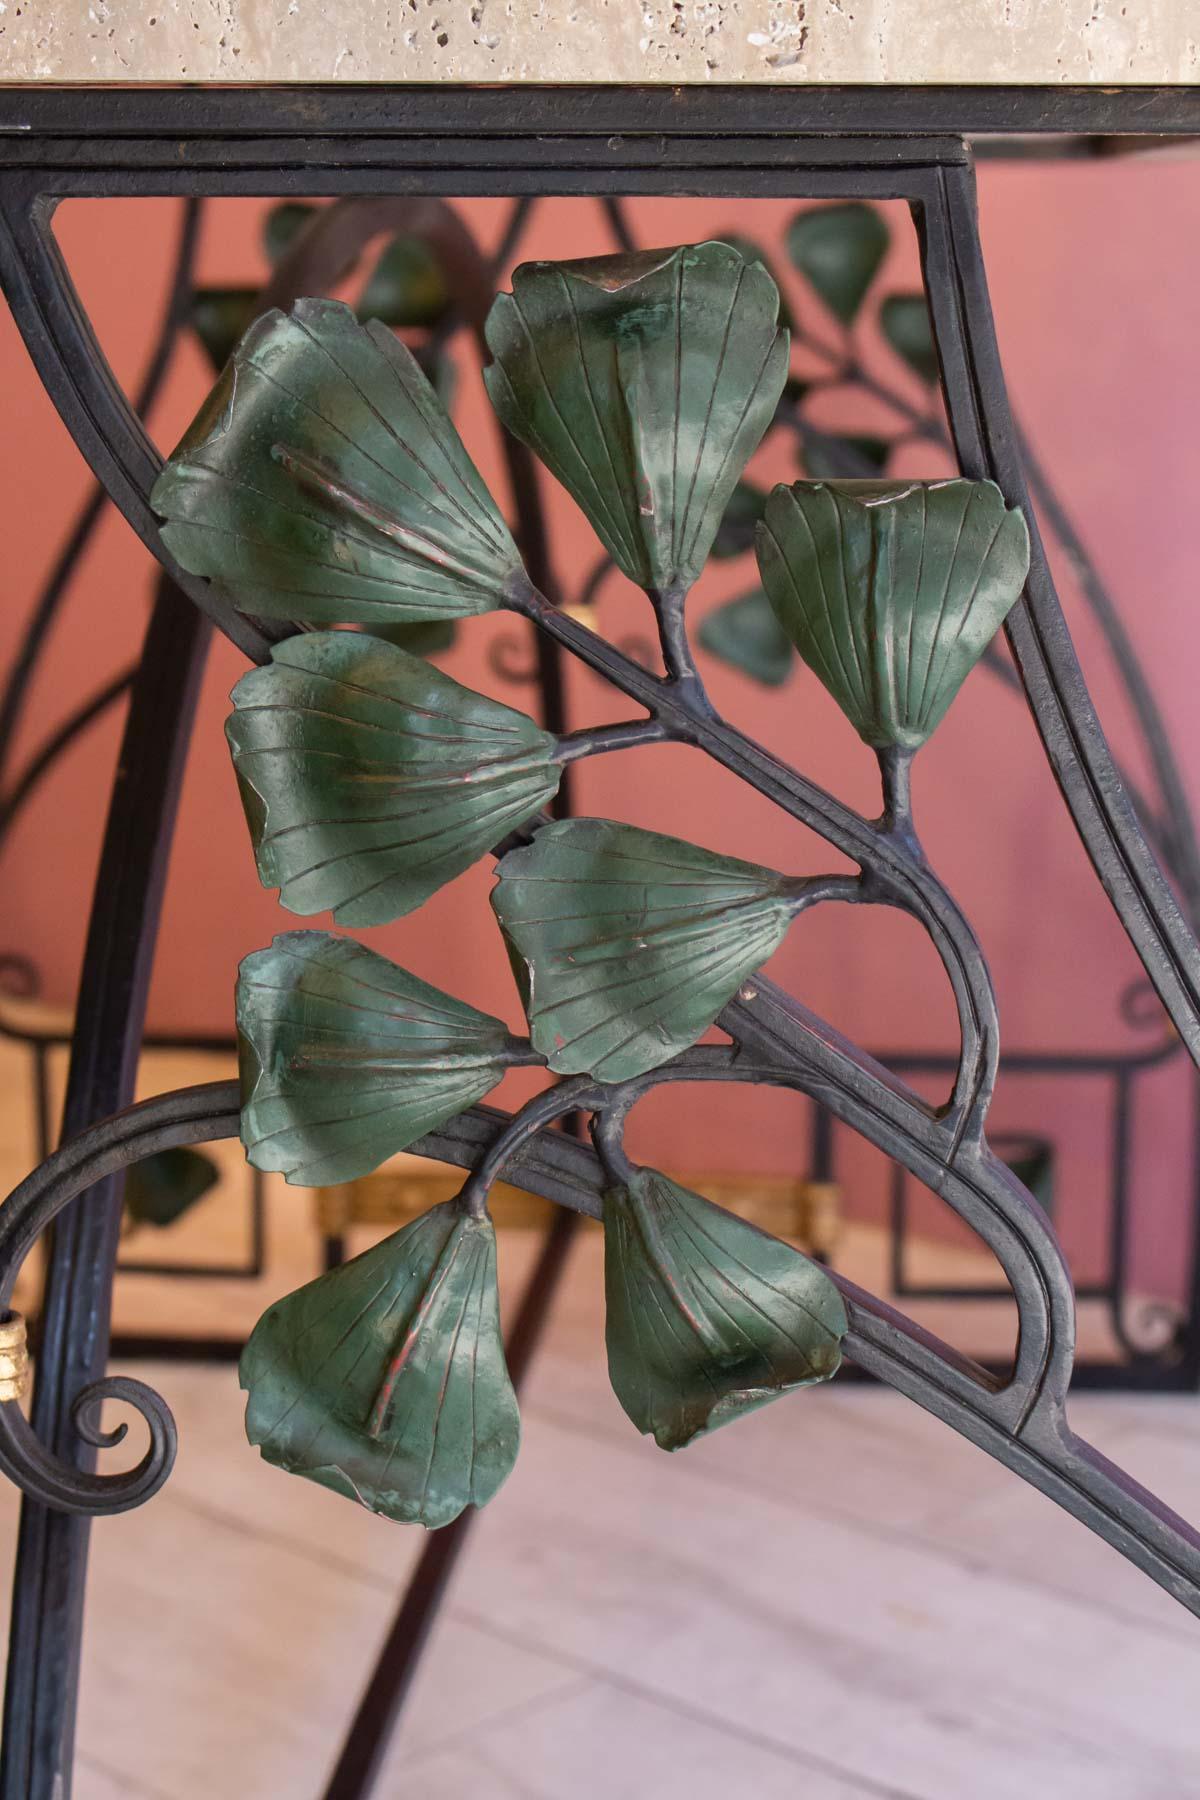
{"x":890,"y":651}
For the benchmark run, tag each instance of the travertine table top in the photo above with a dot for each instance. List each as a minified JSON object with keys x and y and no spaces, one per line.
{"x":672,"y":41}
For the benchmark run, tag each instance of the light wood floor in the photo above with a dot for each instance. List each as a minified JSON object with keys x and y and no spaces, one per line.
{"x":833,"y":1598}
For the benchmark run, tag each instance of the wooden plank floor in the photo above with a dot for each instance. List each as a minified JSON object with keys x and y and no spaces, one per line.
{"x":833,"y":1598}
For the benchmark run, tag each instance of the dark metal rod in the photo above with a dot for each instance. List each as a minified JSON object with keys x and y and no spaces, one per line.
{"x":988,"y":448}
{"x":246,"y":123}
{"x":19,"y":680}
{"x":43,"y":1665}
{"x":357,"y":1767}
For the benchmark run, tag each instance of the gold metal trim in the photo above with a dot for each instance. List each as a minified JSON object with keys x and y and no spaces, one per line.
{"x":14,"y":1357}
{"x":806,"y":1211}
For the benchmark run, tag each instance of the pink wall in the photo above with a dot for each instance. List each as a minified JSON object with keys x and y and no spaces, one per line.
{"x":1093,"y":271}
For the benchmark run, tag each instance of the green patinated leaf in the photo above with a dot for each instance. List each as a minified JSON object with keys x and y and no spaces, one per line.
{"x":891,"y":591}
{"x":282,"y":226}
{"x":735,"y":534}
{"x":746,"y":634}
{"x":904,"y":321}
{"x":644,"y":383}
{"x":708,"y":1318}
{"x":839,"y":249}
{"x":633,"y":941}
{"x":842,"y":457}
{"x":324,"y":481}
{"x":752,"y":252}
{"x":406,"y":287}
{"x":370,"y":779}
{"x":219,"y":316}
{"x":385,"y":1380}
{"x":161,"y":1188}
{"x":346,"y":1059}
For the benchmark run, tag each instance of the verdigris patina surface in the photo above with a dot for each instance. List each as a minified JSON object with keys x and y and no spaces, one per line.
{"x":324,"y":483}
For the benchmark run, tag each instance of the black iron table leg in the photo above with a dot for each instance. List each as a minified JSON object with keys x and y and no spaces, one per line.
{"x":366,"y":1742}
{"x":39,"y":1713}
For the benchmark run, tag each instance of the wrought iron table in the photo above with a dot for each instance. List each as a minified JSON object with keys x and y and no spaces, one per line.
{"x":875,"y":143}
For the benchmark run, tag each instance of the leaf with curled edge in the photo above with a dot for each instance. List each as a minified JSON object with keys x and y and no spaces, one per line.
{"x":323,"y":480}
{"x":370,"y":779}
{"x":708,"y":1318}
{"x":633,"y":942}
{"x":644,"y":383}
{"x":892,"y":590}
{"x":385,"y":1379}
{"x":346,"y":1059}
{"x":839,"y":248}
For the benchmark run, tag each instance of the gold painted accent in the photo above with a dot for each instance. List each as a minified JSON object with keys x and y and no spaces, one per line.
{"x":582,"y":615}
{"x":807,"y":1211}
{"x":393,"y":1197}
{"x":14,"y":1357}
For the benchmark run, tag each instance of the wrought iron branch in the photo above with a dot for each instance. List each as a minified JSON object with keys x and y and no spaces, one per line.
{"x":894,"y":868}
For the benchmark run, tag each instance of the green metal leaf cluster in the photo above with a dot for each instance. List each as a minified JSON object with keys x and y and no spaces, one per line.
{"x":839,"y":249}
{"x":707,"y":1317}
{"x":891,"y":591}
{"x":385,"y":1380}
{"x":370,"y":779}
{"x":632,"y":942}
{"x":323,"y":481}
{"x":346,"y":1059}
{"x":644,"y":383}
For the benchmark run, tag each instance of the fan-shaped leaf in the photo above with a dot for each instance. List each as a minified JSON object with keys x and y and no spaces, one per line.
{"x":161,"y":1188}
{"x":891,"y":591}
{"x":385,"y":1380}
{"x":346,"y":1059}
{"x":644,"y":382}
{"x":324,"y":481}
{"x":904,"y":321}
{"x":371,"y":779}
{"x":707,"y":1316}
{"x":219,"y":316}
{"x":839,"y":249}
{"x":735,"y":534}
{"x":406,"y":287}
{"x":282,"y":226}
{"x":746,"y":634}
{"x":633,"y":941}
{"x":750,"y":251}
